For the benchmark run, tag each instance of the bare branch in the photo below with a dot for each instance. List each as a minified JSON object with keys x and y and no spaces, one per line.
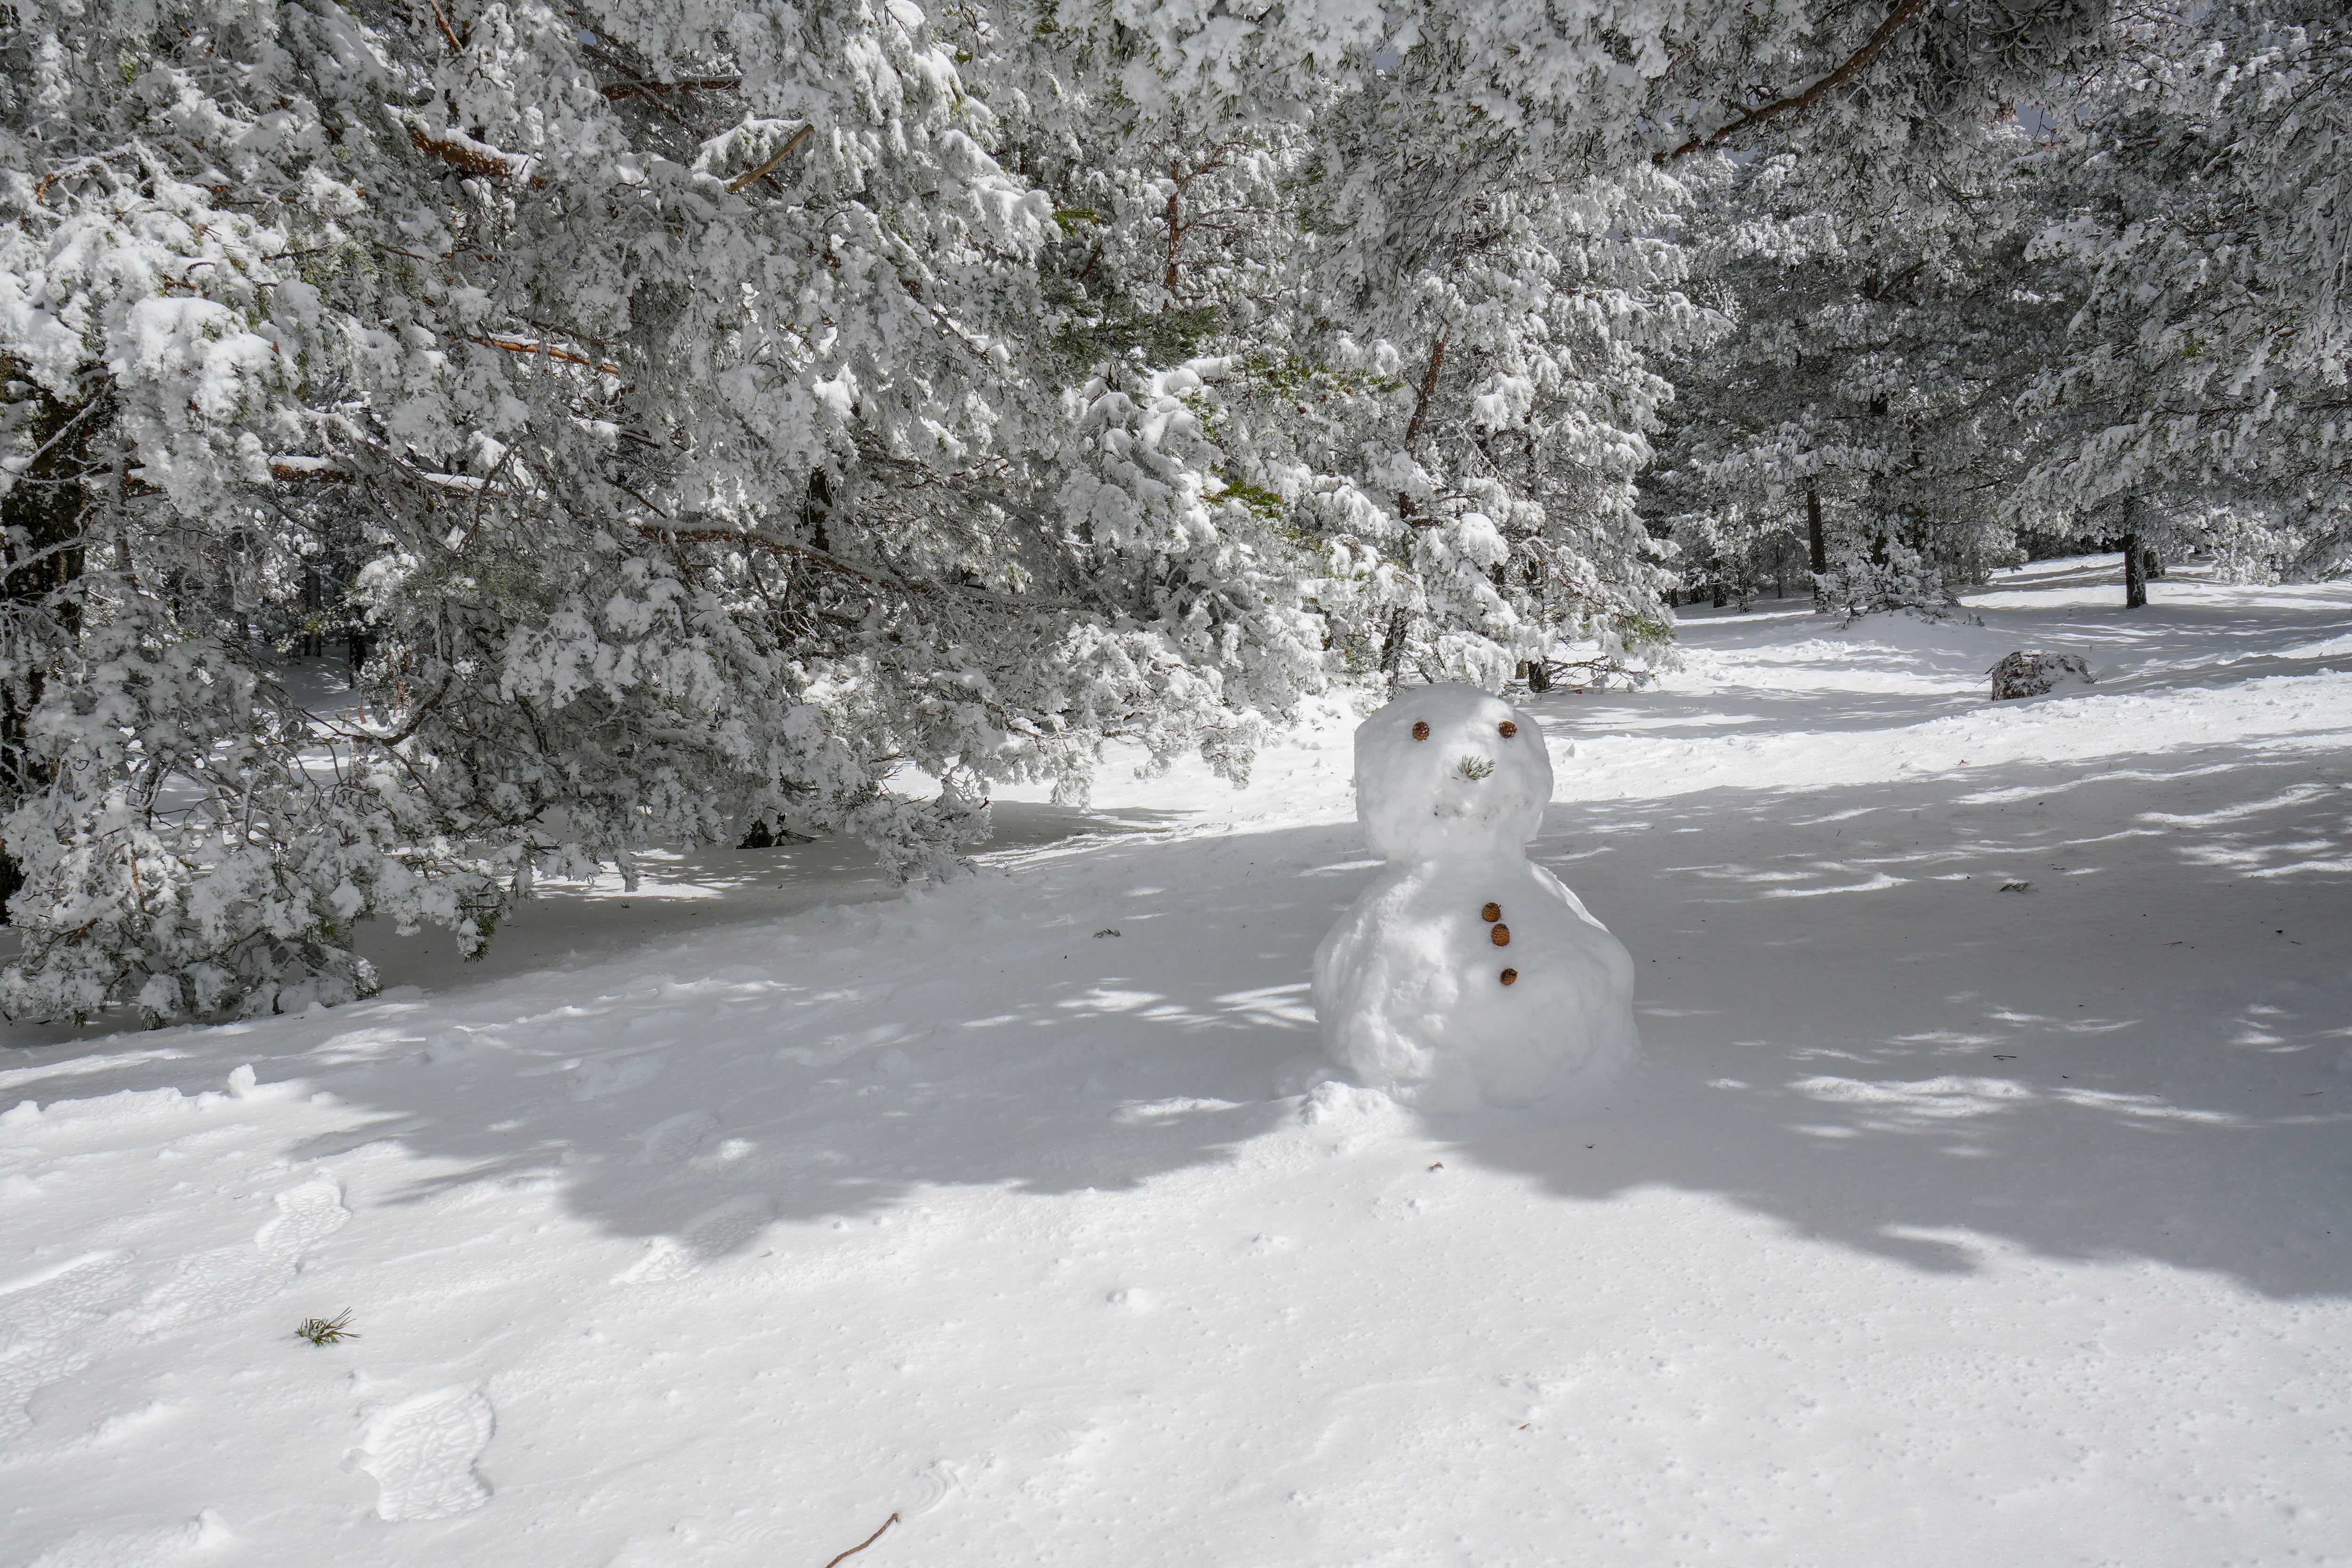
{"x":879,"y":578}
{"x":618,"y":91}
{"x":474,"y":157}
{"x":447,"y":30}
{"x":1856,"y":64}
{"x":529,"y":346}
{"x":745,"y":178}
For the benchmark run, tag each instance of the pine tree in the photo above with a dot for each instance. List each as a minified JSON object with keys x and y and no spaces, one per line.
{"x":1889,"y":314}
{"x":2201,"y":398}
{"x":687,"y":420}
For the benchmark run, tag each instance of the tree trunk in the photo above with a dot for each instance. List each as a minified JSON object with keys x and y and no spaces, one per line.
{"x":2135,"y":560}
{"x":816,"y":509}
{"x":1817,"y":545}
{"x":313,"y":643}
{"x":40,"y":530}
{"x":1392,"y":656}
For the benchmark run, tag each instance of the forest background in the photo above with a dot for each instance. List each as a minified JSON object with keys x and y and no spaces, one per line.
{"x":685,"y":419}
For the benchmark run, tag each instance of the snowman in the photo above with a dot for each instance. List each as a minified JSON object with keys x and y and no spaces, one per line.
{"x":1467,"y":973}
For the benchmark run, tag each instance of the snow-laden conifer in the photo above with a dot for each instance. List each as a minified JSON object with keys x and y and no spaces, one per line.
{"x":687,"y":419}
{"x":2202,"y":395}
{"x":1861,"y":419}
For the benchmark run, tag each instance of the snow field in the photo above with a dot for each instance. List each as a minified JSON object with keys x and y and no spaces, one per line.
{"x":1941,"y":1224}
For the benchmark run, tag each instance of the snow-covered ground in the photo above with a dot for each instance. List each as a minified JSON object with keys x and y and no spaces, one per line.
{"x":717,"y":1222}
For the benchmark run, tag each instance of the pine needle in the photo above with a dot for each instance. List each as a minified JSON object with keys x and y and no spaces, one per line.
{"x":326,"y":1331}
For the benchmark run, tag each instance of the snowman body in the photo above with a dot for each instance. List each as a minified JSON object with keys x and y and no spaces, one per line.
{"x":1467,"y":975}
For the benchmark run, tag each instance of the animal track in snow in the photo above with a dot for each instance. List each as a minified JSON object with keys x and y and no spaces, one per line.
{"x":667,"y":1142}
{"x":711,"y":1234}
{"x":422,"y":1453}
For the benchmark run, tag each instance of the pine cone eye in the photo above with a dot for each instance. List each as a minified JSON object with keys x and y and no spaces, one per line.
{"x":1510,"y":976}
{"x":1507,"y":727}
{"x":1421,"y":729}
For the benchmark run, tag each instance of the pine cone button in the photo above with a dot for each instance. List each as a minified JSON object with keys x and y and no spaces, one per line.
{"x":1510,"y":976}
{"x":1507,"y":727}
{"x":1491,"y":913}
{"x":1421,"y":729}
{"x":1502,"y":935}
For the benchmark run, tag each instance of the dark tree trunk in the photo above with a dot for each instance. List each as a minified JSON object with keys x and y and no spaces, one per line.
{"x":313,"y":643}
{"x":818,"y":508}
{"x":41,"y":533}
{"x":1393,"y":654}
{"x":2135,"y":559}
{"x":1816,"y":544}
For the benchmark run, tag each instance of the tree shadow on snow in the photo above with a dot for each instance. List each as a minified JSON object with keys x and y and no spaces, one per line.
{"x":1865,"y":1037}
{"x":1121,"y":1015}
{"x":1851,"y":1028}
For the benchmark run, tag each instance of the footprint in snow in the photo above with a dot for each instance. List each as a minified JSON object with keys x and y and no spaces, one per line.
{"x":422,"y":1453}
{"x":306,"y":1215}
{"x":230,"y":1279}
{"x":48,"y":1318}
{"x":146,"y":1549}
{"x":209,"y":1284}
{"x":602,"y":1079}
{"x":667,"y":1142}
{"x":712,"y":1234}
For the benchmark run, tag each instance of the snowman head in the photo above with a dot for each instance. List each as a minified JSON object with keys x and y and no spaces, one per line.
{"x":1448,"y":769}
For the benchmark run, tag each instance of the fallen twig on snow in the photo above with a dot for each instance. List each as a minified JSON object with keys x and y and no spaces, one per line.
{"x":865,"y":1543}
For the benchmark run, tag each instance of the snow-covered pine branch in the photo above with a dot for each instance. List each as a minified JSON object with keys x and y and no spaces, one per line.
{"x":2202,"y":397}
{"x":690,"y":418}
